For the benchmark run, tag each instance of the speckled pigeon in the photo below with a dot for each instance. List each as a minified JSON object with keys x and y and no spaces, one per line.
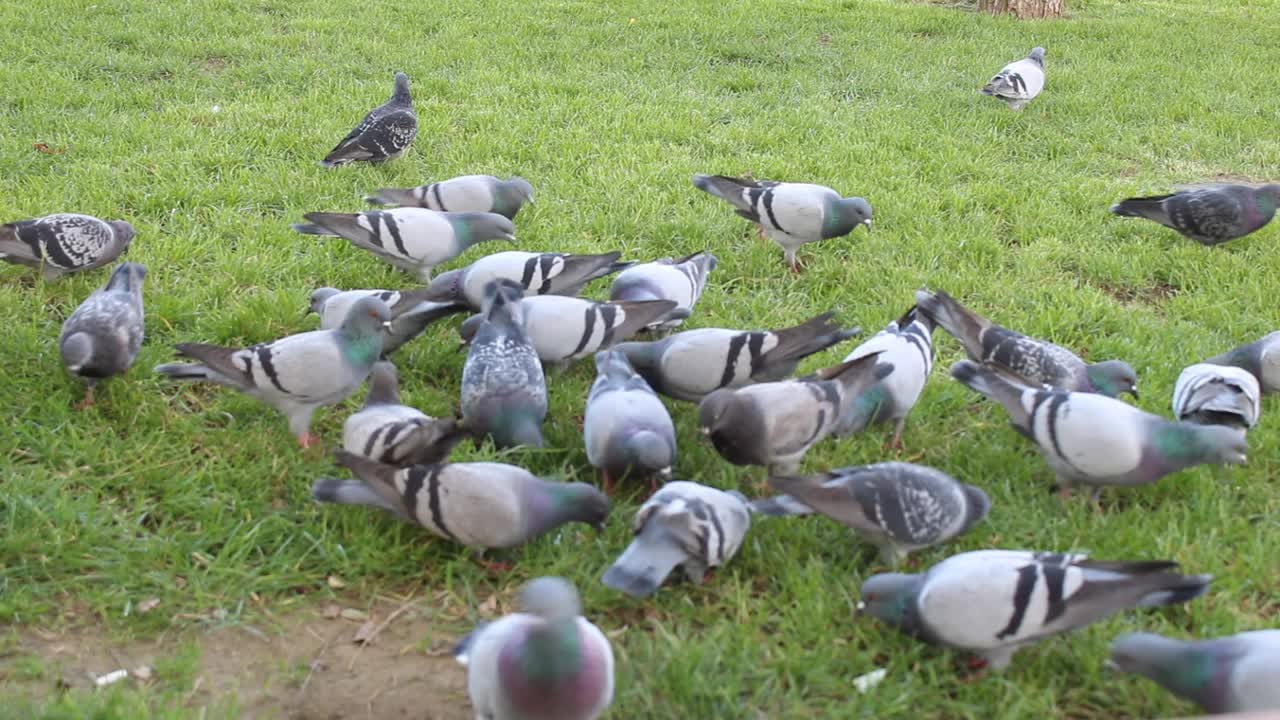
{"x":1019,"y":82}
{"x":63,"y":242}
{"x":626,"y":428}
{"x":102,"y":336}
{"x":468,"y":193}
{"x":384,"y":133}
{"x":410,"y":315}
{"x":1261,"y":358}
{"x":907,"y":345}
{"x":1217,"y":395}
{"x":1208,"y":214}
{"x":1232,"y":674}
{"x":504,"y":393}
{"x":395,"y":434}
{"x":678,"y":279}
{"x":548,"y":273}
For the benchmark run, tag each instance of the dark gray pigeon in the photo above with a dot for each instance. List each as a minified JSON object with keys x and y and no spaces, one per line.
{"x":684,"y":525}
{"x":1209,"y":214}
{"x":384,"y":133}
{"x":409,"y":314}
{"x":899,"y":507}
{"x":102,"y":336}
{"x":479,"y":505}
{"x":626,"y":428}
{"x":504,"y":393}
{"x":468,"y":193}
{"x":63,"y":242}
{"x":1233,"y":674}
{"x":678,"y":279}
{"x":1260,"y":357}
{"x":1019,"y":82}
{"x":906,"y":344}
{"x":994,"y":602}
{"x":1217,"y":395}
{"x":690,"y":364}
{"x":1024,"y":359}
{"x":547,"y":273}
{"x":790,"y":214}
{"x":395,"y":434}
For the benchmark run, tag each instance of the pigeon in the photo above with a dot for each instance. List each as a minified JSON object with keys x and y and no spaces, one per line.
{"x":1208,"y":214}
{"x":900,"y":507}
{"x":63,"y":243}
{"x":1095,"y":440}
{"x":791,"y":214}
{"x":384,"y":133}
{"x":482,"y":505}
{"x":102,"y":336}
{"x":1217,"y":395}
{"x":563,"y":329}
{"x":1027,"y":360}
{"x":468,"y":193}
{"x":504,"y":393}
{"x":1236,"y":673}
{"x":547,"y":273}
{"x":683,"y":524}
{"x":546,"y":662}
{"x":412,"y":239}
{"x":907,"y":345}
{"x":679,"y":279}
{"x":775,"y":423}
{"x":1261,"y":358}
{"x":410,"y":315}
{"x":626,"y":428}
{"x":395,"y":434}
{"x":993,"y":602}
{"x":1019,"y":82}
{"x":298,"y":373}
{"x":690,"y":364}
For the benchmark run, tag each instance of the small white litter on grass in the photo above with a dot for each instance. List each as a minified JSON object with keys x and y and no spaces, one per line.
{"x":114,"y":676}
{"x":865,"y":682}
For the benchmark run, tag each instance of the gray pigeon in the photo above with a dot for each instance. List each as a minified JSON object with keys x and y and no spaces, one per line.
{"x":679,"y":279}
{"x":547,"y":273}
{"x":395,"y":434}
{"x":63,"y":242}
{"x":410,"y":315}
{"x":994,"y":602}
{"x":1019,"y":82}
{"x":384,"y":133}
{"x":102,"y":336}
{"x":468,"y":193}
{"x":504,"y":393}
{"x":546,"y":662}
{"x":775,"y":423}
{"x":690,"y":364}
{"x":1232,"y":674}
{"x":1024,"y":359}
{"x":412,"y":239}
{"x":1095,"y":440}
{"x":298,"y":373}
{"x":1208,"y":214}
{"x":1217,"y":395}
{"x":563,"y":329}
{"x":900,"y":507}
{"x":479,"y":505}
{"x":626,"y":428}
{"x":683,"y":524}
{"x":1260,"y":357}
{"x":906,"y":344}
{"x":791,"y":214}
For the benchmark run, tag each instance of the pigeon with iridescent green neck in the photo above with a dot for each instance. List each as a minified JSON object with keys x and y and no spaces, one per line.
{"x":1261,"y":358}
{"x":410,"y":315}
{"x":1231,"y":674}
{"x":504,"y":393}
{"x":467,"y":193}
{"x":1208,"y":214}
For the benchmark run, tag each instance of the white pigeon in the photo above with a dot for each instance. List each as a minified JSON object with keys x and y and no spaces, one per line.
{"x":1217,"y":395}
{"x":1019,"y":82}
{"x":678,"y":279}
{"x":907,"y":345}
{"x":467,"y":193}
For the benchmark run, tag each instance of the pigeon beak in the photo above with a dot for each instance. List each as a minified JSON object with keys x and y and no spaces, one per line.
{"x":867,"y":222}
{"x":509,"y":237}
{"x":386,"y":324}
{"x":1111,"y":665}
{"x":462,"y":346}
{"x":1134,"y":392}
{"x":861,"y":606}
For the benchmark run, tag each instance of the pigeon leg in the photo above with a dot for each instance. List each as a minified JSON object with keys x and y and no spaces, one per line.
{"x":495,"y":565}
{"x":895,"y":442}
{"x":606,"y":483}
{"x":308,"y":440}
{"x":760,"y":232}
{"x":977,"y":669}
{"x":1094,"y":498}
{"x":86,"y":402}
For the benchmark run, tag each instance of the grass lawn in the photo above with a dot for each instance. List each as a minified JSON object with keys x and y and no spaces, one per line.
{"x":201,"y":123}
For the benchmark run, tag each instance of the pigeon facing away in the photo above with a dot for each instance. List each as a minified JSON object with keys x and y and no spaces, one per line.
{"x":1026,"y":360}
{"x":479,"y":505}
{"x":63,"y":242}
{"x":539,"y":273}
{"x":468,"y":193}
{"x":1096,"y":440}
{"x":504,"y":393}
{"x":906,"y":344}
{"x":679,"y":279}
{"x":395,"y":434}
{"x":1019,"y":82}
{"x":409,"y":315}
{"x":993,"y":602}
{"x":1208,"y":214}
{"x":412,"y":239}
{"x":102,"y":336}
{"x":542,"y":663}
{"x":1261,"y":358}
{"x":775,"y":423}
{"x":1217,"y":395}
{"x":683,"y":524}
{"x":690,"y":364}
{"x":384,"y":133}
{"x":791,"y":214}
{"x":1236,"y":673}
{"x":626,"y":428}
{"x":900,"y":507}
{"x":298,"y":373}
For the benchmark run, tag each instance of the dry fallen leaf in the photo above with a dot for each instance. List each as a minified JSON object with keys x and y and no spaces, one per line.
{"x":148,"y":605}
{"x":364,"y":633}
{"x":331,"y":611}
{"x":353,"y":614}
{"x":44,"y":148}
{"x":336,"y":582}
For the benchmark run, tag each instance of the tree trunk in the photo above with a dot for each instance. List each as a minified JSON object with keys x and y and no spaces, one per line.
{"x":1023,"y":8}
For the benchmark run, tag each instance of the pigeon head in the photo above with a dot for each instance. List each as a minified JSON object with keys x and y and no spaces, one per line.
{"x":478,"y":227}
{"x":446,"y":287}
{"x":367,"y":317}
{"x":1037,"y":54}
{"x":553,"y":598}
{"x":713,"y":409}
{"x":127,"y":276}
{"x":1267,"y":198}
{"x":614,"y":365}
{"x":848,"y":214}
{"x":1226,"y":445}
{"x":1164,"y":660}
{"x":1184,"y":444}
{"x":319,"y":297}
{"x":891,"y":597}
{"x":1113,"y":377}
{"x":580,"y":502}
{"x":503,"y":296}
{"x":384,"y":385}
{"x":123,"y":230}
{"x":468,"y":329}
{"x":520,"y":188}
{"x":401,"y":94}
{"x":979,"y":505}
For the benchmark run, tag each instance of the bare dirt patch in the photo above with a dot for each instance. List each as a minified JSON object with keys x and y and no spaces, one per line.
{"x":1128,"y":294}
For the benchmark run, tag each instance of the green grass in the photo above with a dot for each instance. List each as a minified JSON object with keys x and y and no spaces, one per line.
{"x":199,"y":496}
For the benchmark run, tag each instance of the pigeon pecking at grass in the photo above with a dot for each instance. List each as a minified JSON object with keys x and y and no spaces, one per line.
{"x":1217,"y":395}
{"x":410,"y":315}
{"x":549,"y":273}
{"x":1208,"y":214}
{"x":384,"y":133}
{"x":678,"y":279}
{"x":396,"y":434}
{"x":64,"y":242}
{"x":467,"y":193}
{"x":102,"y":336}
{"x":1232,"y":674}
{"x":626,"y":429}
{"x":504,"y":393}
{"x":906,"y":344}
{"x":1019,"y":82}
